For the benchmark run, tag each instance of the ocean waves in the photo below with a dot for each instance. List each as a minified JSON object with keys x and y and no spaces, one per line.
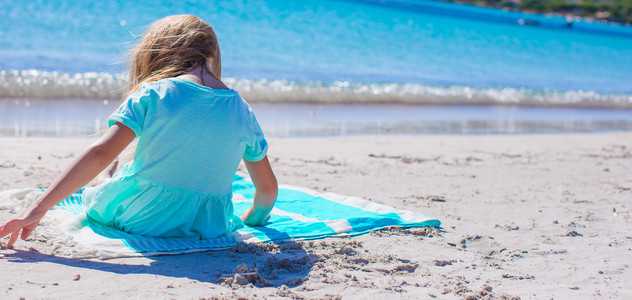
{"x":35,"y":84}
{"x":32,"y":84}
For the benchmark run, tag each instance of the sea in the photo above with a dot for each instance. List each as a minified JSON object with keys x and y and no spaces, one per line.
{"x":326,"y":68}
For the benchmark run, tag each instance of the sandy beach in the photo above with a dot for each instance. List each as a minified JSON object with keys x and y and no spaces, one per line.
{"x":523,"y":216}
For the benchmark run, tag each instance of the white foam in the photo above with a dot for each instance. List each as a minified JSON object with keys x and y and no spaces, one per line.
{"x":51,"y":85}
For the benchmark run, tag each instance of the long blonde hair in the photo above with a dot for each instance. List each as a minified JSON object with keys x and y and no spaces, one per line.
{"x":171,"y":47}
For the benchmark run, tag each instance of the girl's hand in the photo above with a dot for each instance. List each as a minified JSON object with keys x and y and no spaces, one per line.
{"x":266,"y":190}
{"x":251,"y":217}
{"x":25,"y":223}
{"x":87,"y":166}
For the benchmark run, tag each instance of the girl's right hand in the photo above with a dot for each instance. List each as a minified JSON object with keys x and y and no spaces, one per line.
{"x":252,"y":217}
{"x":266,"y":190}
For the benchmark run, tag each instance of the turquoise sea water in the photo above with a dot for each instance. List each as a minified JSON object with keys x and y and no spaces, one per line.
{"x":329,"y":52}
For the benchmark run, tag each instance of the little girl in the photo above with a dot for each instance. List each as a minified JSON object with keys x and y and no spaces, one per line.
{"x":192,"y":133}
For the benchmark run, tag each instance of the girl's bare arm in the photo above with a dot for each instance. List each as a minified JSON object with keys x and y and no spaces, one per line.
{"x":266,"y":189}
{"x":87,"y":166}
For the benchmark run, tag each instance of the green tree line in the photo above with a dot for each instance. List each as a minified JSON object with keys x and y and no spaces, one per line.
{"x":619,"y":11}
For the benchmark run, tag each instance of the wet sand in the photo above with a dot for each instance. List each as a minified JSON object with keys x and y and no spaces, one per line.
{"x":529,"y":216}
{"x":69,"y":118}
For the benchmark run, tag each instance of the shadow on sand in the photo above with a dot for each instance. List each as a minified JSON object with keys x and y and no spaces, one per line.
{"x":265,"y":264}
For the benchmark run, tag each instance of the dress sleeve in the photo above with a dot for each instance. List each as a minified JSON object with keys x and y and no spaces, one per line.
{"x":257,"y":146}
{"x":132,"y":111}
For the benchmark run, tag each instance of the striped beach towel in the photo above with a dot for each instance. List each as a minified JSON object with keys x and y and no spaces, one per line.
{"x":299,"y":213}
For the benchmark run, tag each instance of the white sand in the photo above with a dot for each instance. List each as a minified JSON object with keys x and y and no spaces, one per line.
{"x":530,"y":216}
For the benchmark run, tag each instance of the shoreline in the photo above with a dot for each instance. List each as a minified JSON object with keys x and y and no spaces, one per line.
{"x":530,"y":216}
{"x":83,"y":118}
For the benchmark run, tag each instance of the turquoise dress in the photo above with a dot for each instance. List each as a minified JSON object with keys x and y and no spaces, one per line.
{"x":191,"y":139}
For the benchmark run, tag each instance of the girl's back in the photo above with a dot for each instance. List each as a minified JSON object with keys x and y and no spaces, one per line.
{"x":191,"y":137}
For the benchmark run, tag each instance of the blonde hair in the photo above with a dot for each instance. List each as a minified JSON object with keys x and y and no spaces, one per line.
{"x":171,"y":47}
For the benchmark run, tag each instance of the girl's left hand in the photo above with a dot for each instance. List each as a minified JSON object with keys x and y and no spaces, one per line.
{"x":87,"y":166}
{"x":27,"y":224}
